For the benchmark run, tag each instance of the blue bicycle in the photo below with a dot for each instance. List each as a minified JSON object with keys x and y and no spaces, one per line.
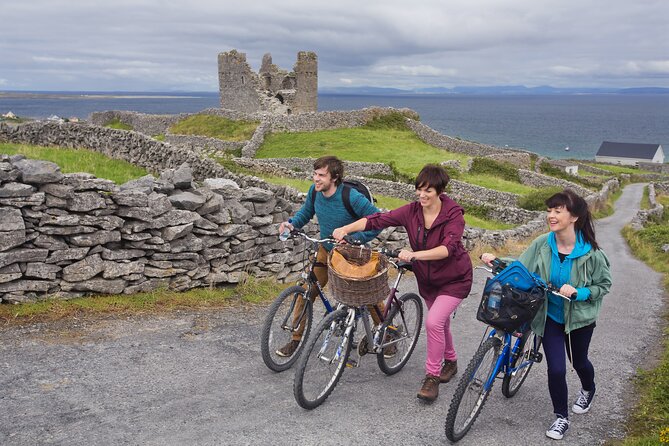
{"x":511,"y":353}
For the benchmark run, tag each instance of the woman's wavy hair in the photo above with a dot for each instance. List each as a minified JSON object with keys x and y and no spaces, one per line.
{"x":577,"y":207}
{"x":433,"y":175}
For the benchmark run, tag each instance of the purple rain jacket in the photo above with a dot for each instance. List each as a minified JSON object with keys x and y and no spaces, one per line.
{"x":451,"y":276}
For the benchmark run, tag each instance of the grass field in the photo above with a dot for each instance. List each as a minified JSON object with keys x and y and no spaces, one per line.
{"x":79,"y":160}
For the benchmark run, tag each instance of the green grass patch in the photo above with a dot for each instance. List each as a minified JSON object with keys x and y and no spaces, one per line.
{"x":649,"y":422}
{"x":491,"y":167}
{"x":118,"y":125}
{"x":401,"y":147}
{"x":645,"y":198}
{"x":215,"y":127}
{"x":557,"y":172}
{"x":393,"y":120}
{"x":536,"y":200}
{"x":614,"y":169}
{"x":478,"y":222}
{"x":496,"y":183}
{"x":160,"y":137}
{"x":160,"y":301}
{"x":79,"y":160}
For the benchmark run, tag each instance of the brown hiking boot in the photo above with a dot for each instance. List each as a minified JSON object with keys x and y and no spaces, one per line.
{"x":448,"y":370}
{"x":287,"y":350}
{"x":430,"y":389}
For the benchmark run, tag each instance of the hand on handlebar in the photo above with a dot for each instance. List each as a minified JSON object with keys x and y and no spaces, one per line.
{"x":406,"y":255}
{"x":488,"y":258}
{"x":568,"y":291}
{"x":339,"y":234}
{"x":286,"y":226}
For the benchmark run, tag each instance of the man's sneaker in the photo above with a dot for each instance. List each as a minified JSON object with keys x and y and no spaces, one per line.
{"x":287,"y":350}
{"x":558,"y":428}
{"x":583,"y":402}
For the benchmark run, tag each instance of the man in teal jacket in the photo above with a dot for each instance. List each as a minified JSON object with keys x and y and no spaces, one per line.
{"x":328,"y":206}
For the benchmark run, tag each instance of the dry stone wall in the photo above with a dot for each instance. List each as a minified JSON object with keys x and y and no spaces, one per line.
{"x":68,"y":235}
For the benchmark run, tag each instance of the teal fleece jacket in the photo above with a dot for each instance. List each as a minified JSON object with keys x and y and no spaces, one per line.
{"x":590,"y":270}
{"x":332,"y":214}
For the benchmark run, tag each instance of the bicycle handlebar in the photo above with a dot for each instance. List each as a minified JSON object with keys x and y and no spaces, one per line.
{"x":499,"y":265}
{"x":299,"y":233}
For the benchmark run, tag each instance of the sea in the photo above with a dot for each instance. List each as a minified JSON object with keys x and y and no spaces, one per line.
{"x":557,"y":126}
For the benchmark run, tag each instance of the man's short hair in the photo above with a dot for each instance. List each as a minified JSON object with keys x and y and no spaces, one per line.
{"x":334,"y":165}
{"x":433,"y":175}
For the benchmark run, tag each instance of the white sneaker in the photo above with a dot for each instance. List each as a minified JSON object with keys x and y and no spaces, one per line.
{"x":558,"y":428}
{"x":583,"y":402}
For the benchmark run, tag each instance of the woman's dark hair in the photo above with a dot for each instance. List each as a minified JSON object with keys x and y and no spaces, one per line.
{"x":577,"y":207}
{"x":433,"y":175}
{"x":334,"y":165}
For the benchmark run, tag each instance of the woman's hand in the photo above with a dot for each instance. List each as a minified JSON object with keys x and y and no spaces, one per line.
{"x":406,"y":255}
{"x":567,"y":290}
{"x":487,"y":258}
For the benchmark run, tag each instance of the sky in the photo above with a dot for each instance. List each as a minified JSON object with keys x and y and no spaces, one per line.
{"x":160,"y":45}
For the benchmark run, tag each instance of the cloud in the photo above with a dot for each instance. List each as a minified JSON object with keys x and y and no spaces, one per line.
{"x":152,"y":44}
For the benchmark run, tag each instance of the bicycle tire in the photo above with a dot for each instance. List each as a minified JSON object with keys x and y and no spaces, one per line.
{"x":404,"y":321}
{"x":324,"y":360}
{"x":274,"y":336}
{"x":512,"y":382}
{"x":479,"y":371}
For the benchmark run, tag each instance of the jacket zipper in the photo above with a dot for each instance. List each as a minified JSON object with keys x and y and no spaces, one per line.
{"x":425,"y":248}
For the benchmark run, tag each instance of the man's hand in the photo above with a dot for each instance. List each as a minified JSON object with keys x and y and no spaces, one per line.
{"x":339,"y":234}
{"x":285,"y":226}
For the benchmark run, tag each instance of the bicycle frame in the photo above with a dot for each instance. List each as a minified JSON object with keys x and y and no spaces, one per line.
{"x":506,"y":356}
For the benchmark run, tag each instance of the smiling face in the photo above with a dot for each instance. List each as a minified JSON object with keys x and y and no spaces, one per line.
{"x":427,"y":195}
{"x":323,"y":181}
{"x":560,"y":219}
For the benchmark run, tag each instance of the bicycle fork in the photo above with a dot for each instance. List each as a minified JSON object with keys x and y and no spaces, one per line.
{"x":341,"y":348}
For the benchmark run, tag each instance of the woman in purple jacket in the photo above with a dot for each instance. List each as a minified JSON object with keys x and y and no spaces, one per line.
{"x":443,"y":269}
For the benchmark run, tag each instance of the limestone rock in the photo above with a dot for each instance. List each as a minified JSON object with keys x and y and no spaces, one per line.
{"x":67,"y":254}
{"x":84,"y":269}
{"x":38,"y":172}
{"x":187,"y":200}
{"x":22,"y":255}
{"x":15,"y":190}
{"x":96,"y":238}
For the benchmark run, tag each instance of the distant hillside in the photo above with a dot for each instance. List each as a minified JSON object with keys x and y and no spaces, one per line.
{"x":493,"y":90}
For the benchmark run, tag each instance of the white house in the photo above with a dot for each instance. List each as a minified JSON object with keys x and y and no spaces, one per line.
{"x":629,"y":153}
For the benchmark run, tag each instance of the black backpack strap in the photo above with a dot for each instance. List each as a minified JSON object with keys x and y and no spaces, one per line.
{"x":346,"y":197}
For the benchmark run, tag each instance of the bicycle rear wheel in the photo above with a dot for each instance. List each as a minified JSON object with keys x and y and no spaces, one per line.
{"x":402,"y":327}
{"x":471,"y":394}
{"x":324,"y":360}
{"x":279,"y":326}
{"x":512,"y":381}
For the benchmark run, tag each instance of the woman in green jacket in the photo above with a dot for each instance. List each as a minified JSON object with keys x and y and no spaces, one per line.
{"x":570,"y":259}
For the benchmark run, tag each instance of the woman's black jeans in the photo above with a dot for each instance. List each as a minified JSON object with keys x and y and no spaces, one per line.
{"x":555,"y":343}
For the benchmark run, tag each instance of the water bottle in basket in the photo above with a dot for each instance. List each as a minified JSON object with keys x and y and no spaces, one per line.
{"x":495,"y":297}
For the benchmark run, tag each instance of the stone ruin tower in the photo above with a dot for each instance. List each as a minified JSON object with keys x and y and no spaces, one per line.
{"x":272,"y":89}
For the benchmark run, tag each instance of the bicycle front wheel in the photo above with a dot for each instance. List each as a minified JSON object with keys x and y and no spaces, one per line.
{"x":324,"y":360}
{"x":471,"y":393}
{"x":513,"y":380}
{"x":279,"y":326}
{"x":401,"y":330}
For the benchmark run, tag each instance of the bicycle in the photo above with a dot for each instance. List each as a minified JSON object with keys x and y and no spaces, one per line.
{"x":328,"y":350}
{"x":511,"y":353}
{"x":280,"y":324}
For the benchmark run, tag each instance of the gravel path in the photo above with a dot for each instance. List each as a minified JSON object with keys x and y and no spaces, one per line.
{"x":198,"y":379}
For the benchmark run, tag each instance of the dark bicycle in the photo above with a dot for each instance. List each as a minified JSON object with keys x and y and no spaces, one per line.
{"x":280,"y":323}
{"x":327,"y":353}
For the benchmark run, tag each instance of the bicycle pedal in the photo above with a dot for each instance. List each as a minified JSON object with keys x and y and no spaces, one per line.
{"x":536,"y":357}
{"x":351,"y":363}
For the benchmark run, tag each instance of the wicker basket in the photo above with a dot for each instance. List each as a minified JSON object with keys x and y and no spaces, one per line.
{"x":355,"y":291}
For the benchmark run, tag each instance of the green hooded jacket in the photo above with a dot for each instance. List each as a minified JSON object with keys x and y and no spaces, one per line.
{"x":590,"y":270}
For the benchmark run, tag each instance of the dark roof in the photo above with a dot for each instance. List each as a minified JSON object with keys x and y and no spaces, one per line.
{"x":627,"y":150}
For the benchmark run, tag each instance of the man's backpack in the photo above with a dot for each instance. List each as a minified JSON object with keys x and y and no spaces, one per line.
{"x":346,"y":195}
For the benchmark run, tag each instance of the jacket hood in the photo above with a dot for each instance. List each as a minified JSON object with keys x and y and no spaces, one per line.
{"x":581,"y":247}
